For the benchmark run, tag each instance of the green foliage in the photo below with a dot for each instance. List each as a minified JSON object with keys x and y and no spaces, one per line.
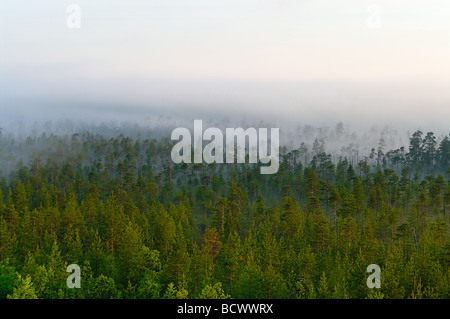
{"x":102,"y":287}
{"x":173,"y":293}
{"x":7,"y":279}
{"x":24,"y":290}
{"x":142,"y":227}
{"x":213,"y":292}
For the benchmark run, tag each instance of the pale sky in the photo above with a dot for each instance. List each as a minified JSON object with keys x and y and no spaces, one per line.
{"x":373,"y":60}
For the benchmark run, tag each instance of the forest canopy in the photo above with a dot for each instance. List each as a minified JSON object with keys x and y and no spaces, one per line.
{"x":140,"y":226}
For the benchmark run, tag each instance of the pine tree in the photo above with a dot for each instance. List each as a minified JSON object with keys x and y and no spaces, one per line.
{"x":358,"y":194}
{"x":114,"y":220}
{"x":20,"y":199}
{"x":7,"y":278}
{"x":320,"y":231}
{"x":334,"y":199}
{"x":323,"y":289}
{"x":232,"y":256}
{"x":415,"y":148}
{"x":443,"y":153}
{"x":213,"y":292}
{"x":8,"y":241}
{"x":348,"y":233}
{"x":24,"y":290}
{"x":72,"y":217}
{"x":292,"y":219}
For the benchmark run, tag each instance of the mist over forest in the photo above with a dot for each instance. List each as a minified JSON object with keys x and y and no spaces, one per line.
{"x":90,"y":178}
{"x":338,"y":140}
{"x":107,"y":196}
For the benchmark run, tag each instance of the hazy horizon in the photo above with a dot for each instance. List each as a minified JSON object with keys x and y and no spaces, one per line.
{"x":362,"y":63}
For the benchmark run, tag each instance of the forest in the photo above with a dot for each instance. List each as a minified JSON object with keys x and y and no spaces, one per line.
{"x":141,"y":227}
